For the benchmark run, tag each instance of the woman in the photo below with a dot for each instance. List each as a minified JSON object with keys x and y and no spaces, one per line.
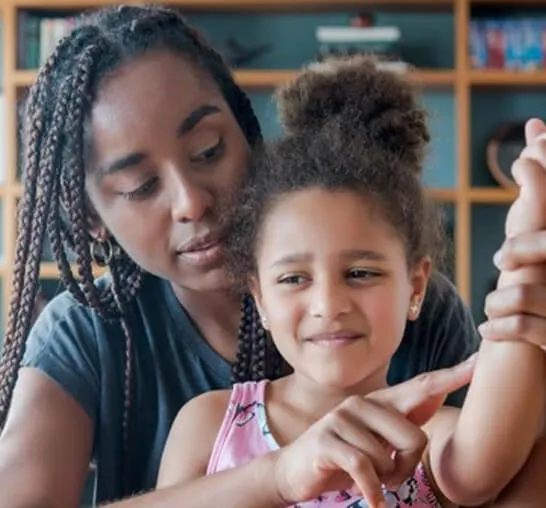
{"x":136,"y":134}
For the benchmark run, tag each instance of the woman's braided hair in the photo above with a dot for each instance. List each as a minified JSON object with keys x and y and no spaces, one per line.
{"x":54,"y":198}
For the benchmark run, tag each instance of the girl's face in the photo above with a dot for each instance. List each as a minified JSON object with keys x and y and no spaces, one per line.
{"x":166,"y":152}
{"x":334,"y":287}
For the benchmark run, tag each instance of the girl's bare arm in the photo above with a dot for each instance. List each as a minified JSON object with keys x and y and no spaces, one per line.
{"x":503,"y":415}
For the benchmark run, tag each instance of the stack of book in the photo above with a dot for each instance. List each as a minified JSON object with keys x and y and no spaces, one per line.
{"x":37,"y":36}
{"x":508,"y":44}
{"x":381,"y":41}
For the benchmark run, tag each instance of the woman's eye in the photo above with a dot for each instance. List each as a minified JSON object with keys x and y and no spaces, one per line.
{"x":210,"y":153}
{"x":141,"y":192}
{"x":292,"y":279}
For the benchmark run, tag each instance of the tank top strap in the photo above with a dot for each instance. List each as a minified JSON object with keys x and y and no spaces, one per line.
{"x":241,"y":425}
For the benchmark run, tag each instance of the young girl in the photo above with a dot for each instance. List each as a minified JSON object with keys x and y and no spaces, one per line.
{"x":335,"y":239}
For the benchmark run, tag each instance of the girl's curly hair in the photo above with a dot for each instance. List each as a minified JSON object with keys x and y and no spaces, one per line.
{"x":349,"y":125}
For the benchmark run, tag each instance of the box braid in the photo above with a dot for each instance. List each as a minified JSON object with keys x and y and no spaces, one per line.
{"x":54,"y":198}
{"x":257,"y":357}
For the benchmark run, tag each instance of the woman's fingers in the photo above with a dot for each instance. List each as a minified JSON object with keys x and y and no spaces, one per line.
{"x":536,"y":150}
{"x":530,"y":329}
{"x":522,"y":250}
{"x":528,"y":168}
{"x":529,"y":299}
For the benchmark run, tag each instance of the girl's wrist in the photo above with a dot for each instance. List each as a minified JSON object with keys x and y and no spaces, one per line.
{"x":266,"y":479}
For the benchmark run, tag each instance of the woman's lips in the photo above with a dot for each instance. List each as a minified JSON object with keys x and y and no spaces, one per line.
{"x":203,"y":255}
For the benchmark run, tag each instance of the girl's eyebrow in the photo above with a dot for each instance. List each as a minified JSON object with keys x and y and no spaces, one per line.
{"x":351,"y":255}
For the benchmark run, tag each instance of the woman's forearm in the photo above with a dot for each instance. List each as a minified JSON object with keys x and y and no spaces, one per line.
{"x":248,"y":486}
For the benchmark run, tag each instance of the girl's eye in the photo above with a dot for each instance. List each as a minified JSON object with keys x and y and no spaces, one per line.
{"x":210,"y":153}
{"x":141,"y":192}
{"x":292,"y":279}
{"x":359,"y":273}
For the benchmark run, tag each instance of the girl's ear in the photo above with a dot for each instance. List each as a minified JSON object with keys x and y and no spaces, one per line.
{"x":256,"y":293}
{"x":419,"y":280}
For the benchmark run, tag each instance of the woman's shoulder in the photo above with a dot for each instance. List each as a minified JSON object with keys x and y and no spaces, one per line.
{"x":64,"y":307}
{"x":69,"y":341}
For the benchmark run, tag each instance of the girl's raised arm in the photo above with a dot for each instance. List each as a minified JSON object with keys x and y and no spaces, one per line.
{"x":503,"y":415}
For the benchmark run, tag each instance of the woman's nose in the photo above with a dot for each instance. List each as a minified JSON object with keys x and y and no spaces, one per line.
{"x":190,"y":200}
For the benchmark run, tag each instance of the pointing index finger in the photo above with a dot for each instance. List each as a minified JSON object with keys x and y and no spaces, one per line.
{"x":408,"y":396}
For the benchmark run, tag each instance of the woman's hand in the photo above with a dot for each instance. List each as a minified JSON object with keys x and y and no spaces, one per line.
{"x":353,"y":444}
{"x":519,"y":311}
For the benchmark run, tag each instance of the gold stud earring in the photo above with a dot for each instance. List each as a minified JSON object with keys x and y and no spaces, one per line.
{"x":414,"y":310}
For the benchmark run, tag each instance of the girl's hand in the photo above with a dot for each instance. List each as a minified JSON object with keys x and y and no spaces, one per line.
{"x":353,"y":444}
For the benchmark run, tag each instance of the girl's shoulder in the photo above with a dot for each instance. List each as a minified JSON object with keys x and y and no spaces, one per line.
{"x":217,"y":405}
{"x":192,"y":438}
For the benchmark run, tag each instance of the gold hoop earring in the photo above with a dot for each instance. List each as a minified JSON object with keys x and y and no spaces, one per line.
{"x":102,"y":252}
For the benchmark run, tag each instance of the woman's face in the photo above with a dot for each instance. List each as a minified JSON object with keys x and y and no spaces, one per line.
{"x":166,"y":154}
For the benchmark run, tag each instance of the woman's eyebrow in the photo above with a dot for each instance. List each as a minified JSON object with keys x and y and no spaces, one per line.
{"x":195,"y":117}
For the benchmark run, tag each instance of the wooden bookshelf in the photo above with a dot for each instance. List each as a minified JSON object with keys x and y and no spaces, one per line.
{"x":304,"y":5}
{"x":492,"y":196}
{"x":460,"y":79}
{"x":51,"y":271}
{"x":507,"y":78}
{"x":265,"y":78}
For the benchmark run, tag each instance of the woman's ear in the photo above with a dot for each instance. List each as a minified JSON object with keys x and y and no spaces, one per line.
{"x":99,"y":233}
{"x":419,"y":280}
